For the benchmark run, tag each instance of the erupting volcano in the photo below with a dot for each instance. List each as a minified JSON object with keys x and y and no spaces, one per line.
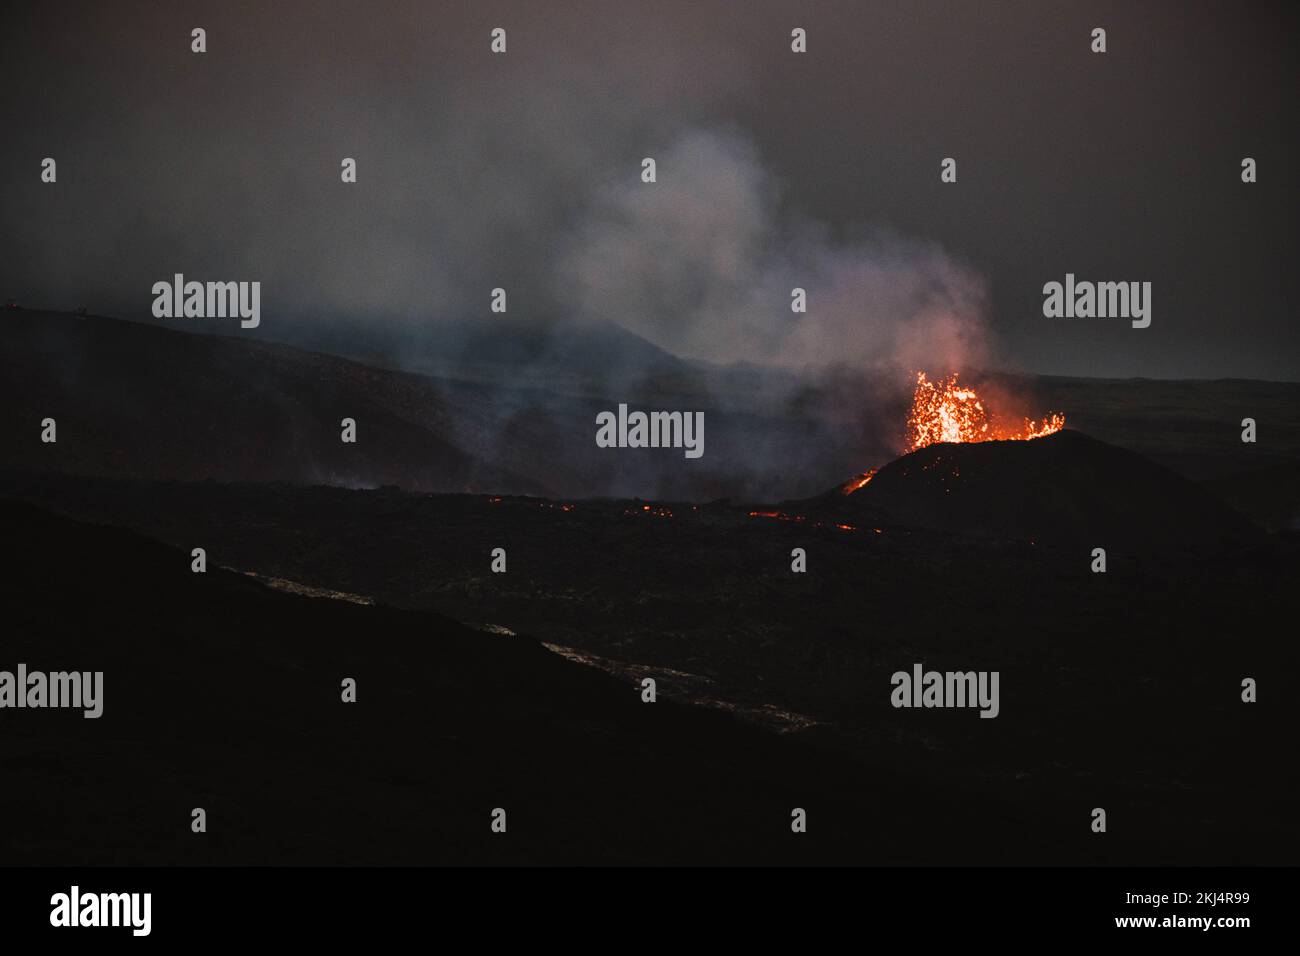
{"x":944,"y":411}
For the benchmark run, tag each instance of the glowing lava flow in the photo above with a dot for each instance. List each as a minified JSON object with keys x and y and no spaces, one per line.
{"x":944,"y":411}
{"x":859,"y":482}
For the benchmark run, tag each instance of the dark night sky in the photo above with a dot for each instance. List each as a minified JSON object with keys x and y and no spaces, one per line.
{"x":775,"y":169}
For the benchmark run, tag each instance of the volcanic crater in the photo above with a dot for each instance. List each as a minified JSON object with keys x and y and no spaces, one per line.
{"x":1062,"y":489}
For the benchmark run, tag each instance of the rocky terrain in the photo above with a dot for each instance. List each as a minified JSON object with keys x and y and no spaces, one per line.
{"x":522,"y":689}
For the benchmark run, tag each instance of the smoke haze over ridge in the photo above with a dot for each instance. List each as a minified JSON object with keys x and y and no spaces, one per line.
{"x":448,"y":206}
{"x":775,"y":171}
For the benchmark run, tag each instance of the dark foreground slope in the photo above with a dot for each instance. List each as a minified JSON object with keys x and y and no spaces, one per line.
{"x":222,"y":694}
{"x":1065,"y":490}
{"x":1118,"y":690}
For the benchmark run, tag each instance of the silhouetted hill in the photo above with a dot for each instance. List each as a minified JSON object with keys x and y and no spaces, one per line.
{"x":1065,"y":489}
{"x":136,"y":400}
{"x":572,"y":358}
{"x":1270,"y":495}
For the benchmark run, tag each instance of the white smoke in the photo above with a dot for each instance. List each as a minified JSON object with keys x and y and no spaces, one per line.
{"x":702,"y":262}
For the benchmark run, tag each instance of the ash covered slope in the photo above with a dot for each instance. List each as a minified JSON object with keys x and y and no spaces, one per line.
{"x":138,"y":401}
{"x":1066,"y":489}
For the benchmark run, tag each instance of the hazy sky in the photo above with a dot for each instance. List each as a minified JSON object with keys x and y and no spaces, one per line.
{"x":775,"y":169}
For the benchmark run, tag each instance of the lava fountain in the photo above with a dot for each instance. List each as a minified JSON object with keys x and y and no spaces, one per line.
{"x":944,"y":411}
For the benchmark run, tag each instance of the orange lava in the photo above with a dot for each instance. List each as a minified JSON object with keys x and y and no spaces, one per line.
{"x":944,"y":411}
{"x":859,"y":482}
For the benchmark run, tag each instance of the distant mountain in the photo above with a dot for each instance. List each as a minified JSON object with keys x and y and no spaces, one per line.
{"x":570,"y":357}
{"x":514,"y":411}
{"x":136,"y":400}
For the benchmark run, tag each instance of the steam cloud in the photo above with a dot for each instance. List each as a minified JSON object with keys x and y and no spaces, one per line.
{"x":702,"y":263}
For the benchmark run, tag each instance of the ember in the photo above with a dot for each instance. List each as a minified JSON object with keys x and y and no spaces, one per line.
{"x":944,"y":411}
{"x":535,"y":502}
{"x":658,"y":511}
{"x":783,"y":516}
